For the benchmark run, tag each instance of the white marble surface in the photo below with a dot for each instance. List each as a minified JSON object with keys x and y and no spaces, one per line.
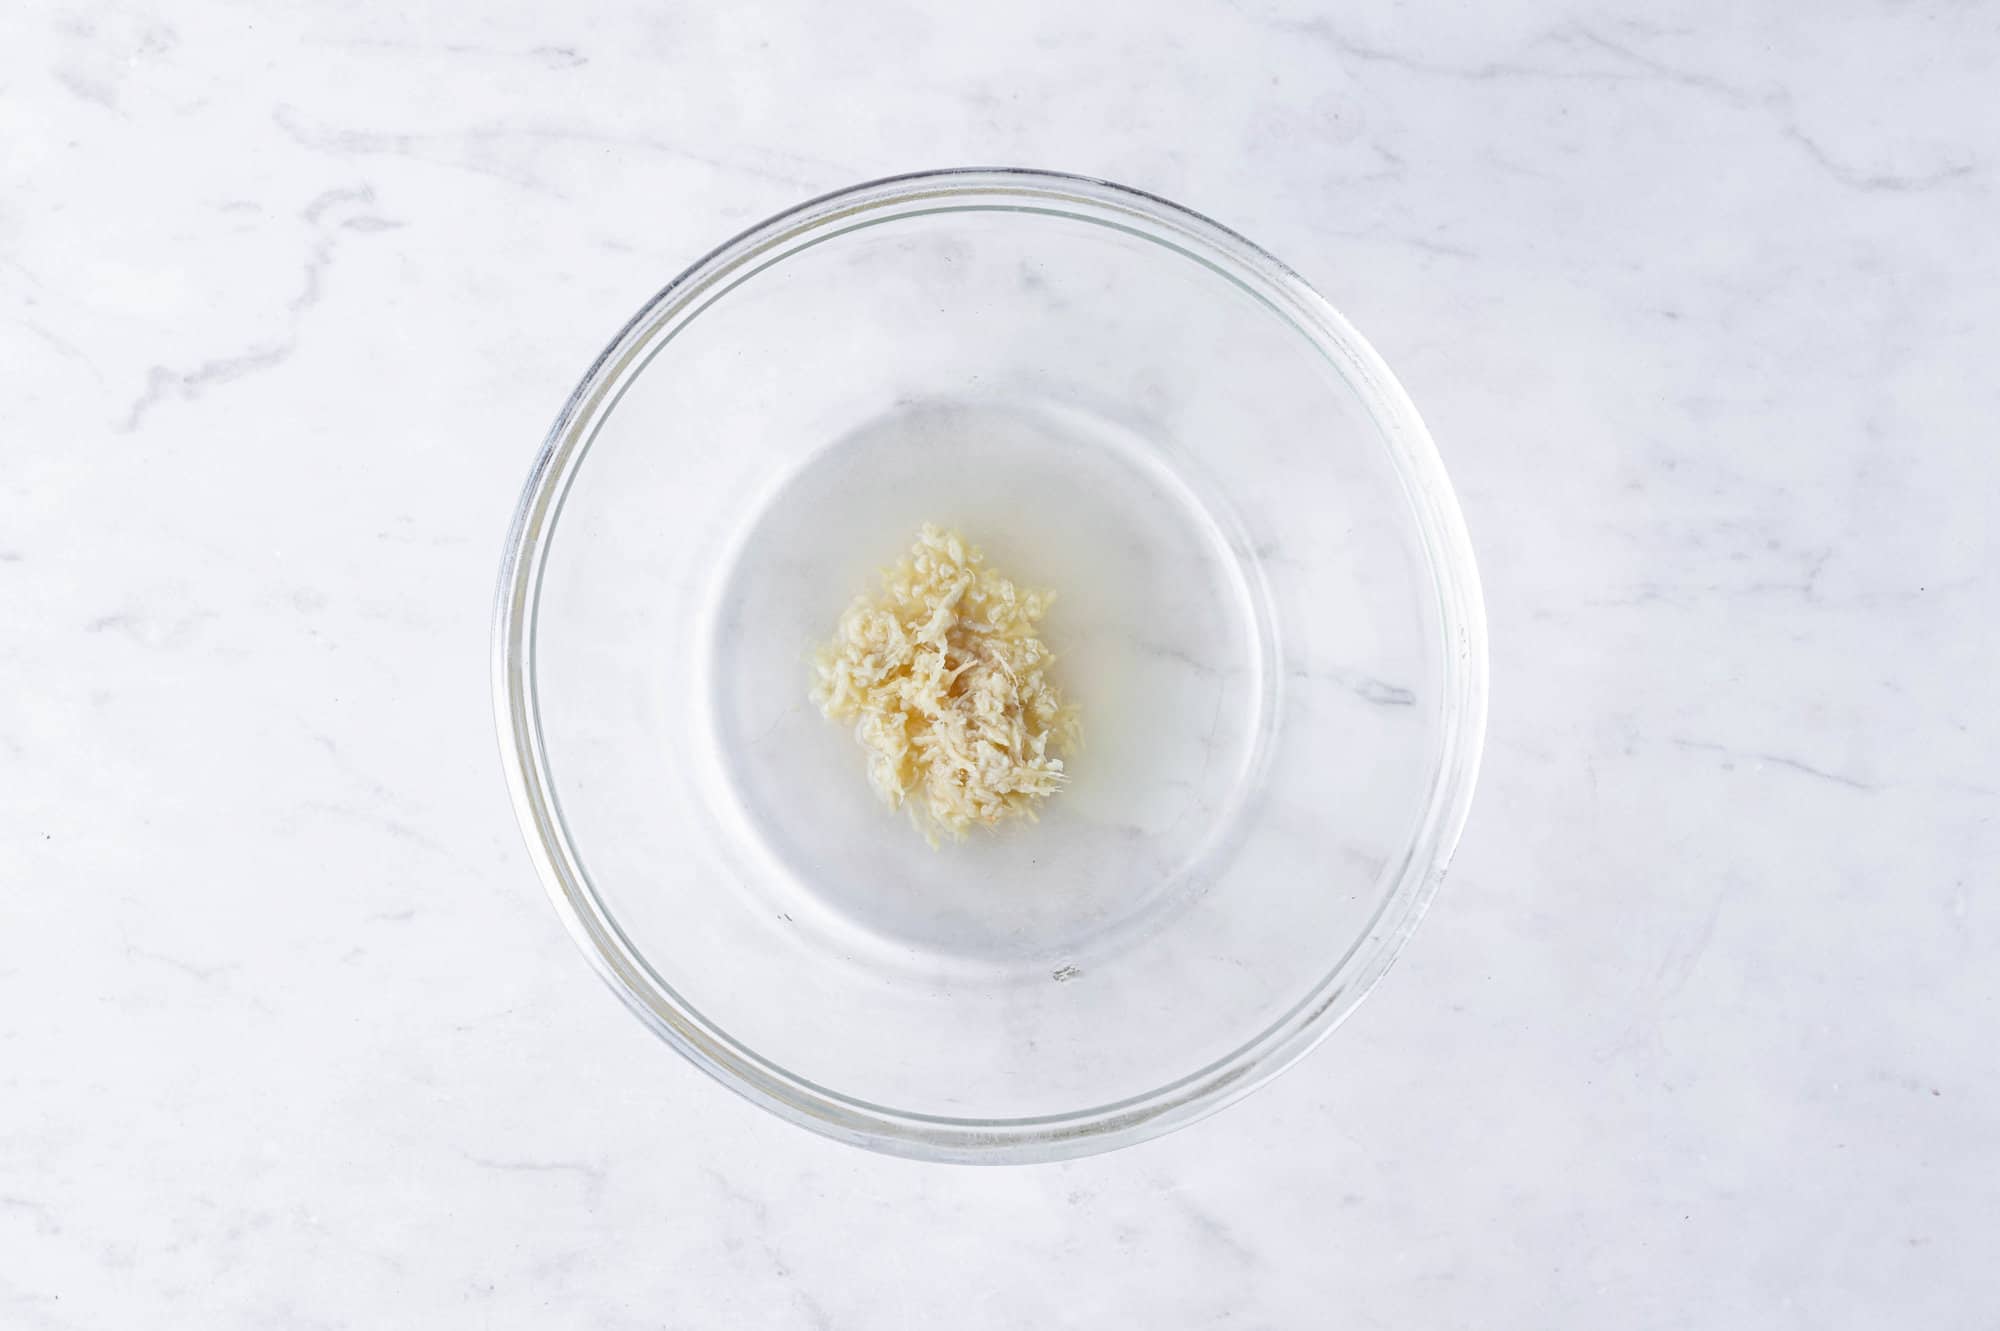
{"x":1701,"y":308}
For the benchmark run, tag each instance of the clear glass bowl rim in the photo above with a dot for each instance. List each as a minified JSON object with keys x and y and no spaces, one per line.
{"x":999,"y":1140}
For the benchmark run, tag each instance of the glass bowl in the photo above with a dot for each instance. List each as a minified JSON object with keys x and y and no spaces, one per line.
{"x":1267,"y":614}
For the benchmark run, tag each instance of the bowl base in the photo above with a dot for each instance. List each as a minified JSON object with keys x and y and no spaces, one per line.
{"x":1163,"y":641}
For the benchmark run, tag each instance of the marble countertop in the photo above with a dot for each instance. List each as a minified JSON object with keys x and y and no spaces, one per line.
{"x":1700,"y":306}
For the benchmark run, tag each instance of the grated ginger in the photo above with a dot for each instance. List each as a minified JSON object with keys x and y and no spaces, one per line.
{"x":945,"y":680}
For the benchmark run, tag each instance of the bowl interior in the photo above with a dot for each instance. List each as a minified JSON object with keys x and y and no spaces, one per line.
{"x":1262,"y":612}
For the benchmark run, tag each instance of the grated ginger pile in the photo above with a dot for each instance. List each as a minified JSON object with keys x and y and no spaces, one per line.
{"x":945,"y":680}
